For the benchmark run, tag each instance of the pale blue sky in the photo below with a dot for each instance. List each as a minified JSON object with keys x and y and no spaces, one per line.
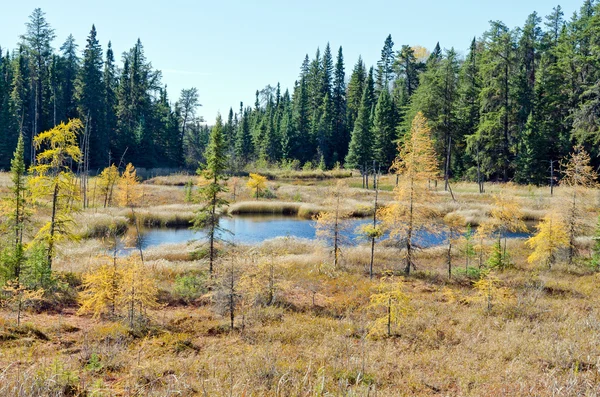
{"x":228,"y":49}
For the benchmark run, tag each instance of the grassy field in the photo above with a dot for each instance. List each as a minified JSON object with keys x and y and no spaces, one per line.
{"x":305,"y":328}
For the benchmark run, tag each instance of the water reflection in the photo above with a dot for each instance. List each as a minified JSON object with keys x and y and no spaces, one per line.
{"x":253,"y":229}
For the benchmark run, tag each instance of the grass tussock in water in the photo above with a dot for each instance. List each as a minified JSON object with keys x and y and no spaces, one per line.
{"x":303,"y":210}
{"x":174,"y":215}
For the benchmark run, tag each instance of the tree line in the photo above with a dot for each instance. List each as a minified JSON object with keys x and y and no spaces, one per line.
{"x":510,"y":109}
{"x":125,"y":109}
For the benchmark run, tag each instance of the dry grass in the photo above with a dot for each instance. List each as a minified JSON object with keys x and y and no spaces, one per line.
{"x":313,"y":340}
{"x":302,"y":210}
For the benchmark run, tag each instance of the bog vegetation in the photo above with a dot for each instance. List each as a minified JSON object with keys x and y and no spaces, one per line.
{"x":87,"y":310}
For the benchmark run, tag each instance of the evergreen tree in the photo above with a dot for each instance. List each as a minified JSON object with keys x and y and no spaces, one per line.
{"x":356,"y":88}
{"x":109,"y":79}
{"x":384,"y":130}
{"x":89,"y":92}
{"x":496,"y":132}
{"x":361,"y":144}
{"x":210,"y":194}
{"x":385,"y":66}
{"x":38,"y":43}
{"x":340,"y":134}
{"x":69,"y":71}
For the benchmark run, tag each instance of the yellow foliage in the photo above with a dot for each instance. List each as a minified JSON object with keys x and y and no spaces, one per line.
{"x":106,"y":182}
{"x":331,"y":223}
{"x":550,"y":237}
{"x":415,"y":165}
{"x":578,"y":172}
{"x":257,"y":182}
{"x":101,"y":290}
{"x":396,"y":304}
{"x":129,"y":194}
{"x":506,"y":215}
{"x":138,"y":290}
{"x":53,"y":178}
{"x":490,"y":291}
{"x":60,"y":144}
{"x":421,"y":53}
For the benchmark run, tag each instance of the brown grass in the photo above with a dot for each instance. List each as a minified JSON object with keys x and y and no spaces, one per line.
{"x":313,"y":340}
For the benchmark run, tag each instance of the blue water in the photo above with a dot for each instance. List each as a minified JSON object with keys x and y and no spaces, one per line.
{"x":256,"y":229}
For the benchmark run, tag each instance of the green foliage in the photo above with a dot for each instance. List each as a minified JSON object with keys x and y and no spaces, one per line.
{"x":190,"y":287}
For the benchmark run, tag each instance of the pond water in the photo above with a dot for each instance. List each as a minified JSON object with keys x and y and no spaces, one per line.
{"x":252,"y":229}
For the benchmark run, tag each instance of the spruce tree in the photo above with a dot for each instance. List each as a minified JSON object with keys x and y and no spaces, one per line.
{"x":384,"y":130}
{"x":89,"y":93}
{"x":356,"y":88}
{"x":210,"y":194}
{"x":340,"y":133}
{"x":361,"y":144}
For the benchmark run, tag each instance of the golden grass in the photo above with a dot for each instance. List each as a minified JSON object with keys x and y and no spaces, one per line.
{"x":303,"y":210}
{"x":314,"y":339}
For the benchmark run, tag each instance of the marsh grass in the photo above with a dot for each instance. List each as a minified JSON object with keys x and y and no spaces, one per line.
{"x":313,"y":339}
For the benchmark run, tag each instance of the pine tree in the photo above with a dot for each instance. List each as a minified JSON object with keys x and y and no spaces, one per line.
{"x":38,"y":42}
{"x":109,"y":100}
{"x":468,"y":110}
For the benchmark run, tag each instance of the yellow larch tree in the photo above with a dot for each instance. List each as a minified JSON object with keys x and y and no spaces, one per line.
{"x":579,"y":177}
{"x":490,"y":292}
{"x":454,"y":225}
{"x":138,"y":290}
{"x":107,"y":180}
{"x":102,"y":288}
{"x":129,"y":195}
{"x":412,"y":208}
{"x":257,"y":183}
{"x":333,"y":222}
{"x":551,"y":236}
{"x":52,"y":177}
{"x":390,"y":298}
{"x":506,"y":216}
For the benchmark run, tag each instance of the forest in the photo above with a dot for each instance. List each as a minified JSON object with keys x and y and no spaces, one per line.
{"x":510,"y":109}
{"x":428,"y":226}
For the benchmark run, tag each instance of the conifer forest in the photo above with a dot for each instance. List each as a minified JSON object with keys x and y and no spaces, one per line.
{"x":426,"y":225}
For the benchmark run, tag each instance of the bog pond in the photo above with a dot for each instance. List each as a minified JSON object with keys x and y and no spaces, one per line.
{"x":254,"y":229}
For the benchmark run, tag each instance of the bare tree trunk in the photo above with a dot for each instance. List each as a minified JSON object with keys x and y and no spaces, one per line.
{"x":52,"y":225}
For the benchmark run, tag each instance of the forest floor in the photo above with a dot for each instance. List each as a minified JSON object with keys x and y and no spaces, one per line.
{"x":303,"y":327}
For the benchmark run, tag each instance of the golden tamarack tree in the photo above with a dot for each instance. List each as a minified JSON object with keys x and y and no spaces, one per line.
{"x":490,"y":292}
{"x":578,"y":177}
{"x":506,"y":216}
{"x":107,"y":180}
{"x":392,"y":302}
{"x":552,"y":235}
{"x":256,"y":183}
{"x":52,"y":177}
{"x":115,"y":290}
{"x":332,"y":223}
{"x":129,"y":195}
{"x":412,"y":209}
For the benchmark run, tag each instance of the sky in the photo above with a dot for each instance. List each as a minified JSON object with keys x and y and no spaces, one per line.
{"x":229,"y":49}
